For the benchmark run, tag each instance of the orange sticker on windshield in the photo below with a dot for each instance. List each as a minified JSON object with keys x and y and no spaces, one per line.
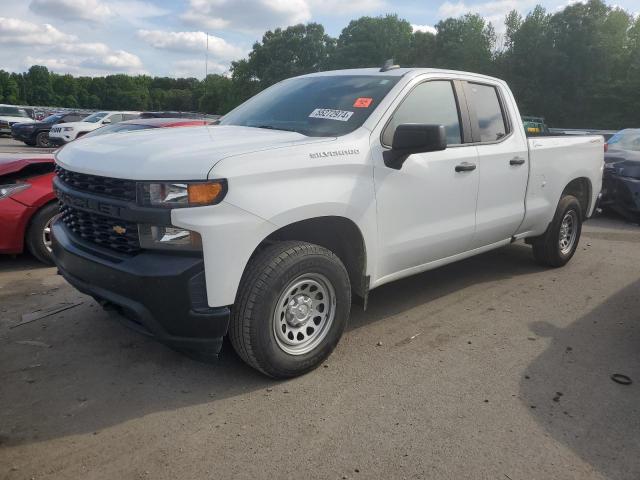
{"x":362,"y":102}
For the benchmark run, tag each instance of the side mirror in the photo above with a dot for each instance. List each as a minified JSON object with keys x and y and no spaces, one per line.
{"x":412,"y":138}
{"x":106,"y":121}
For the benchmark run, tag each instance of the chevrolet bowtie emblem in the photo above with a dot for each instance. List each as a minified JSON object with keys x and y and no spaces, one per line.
{"x":119,"y":230}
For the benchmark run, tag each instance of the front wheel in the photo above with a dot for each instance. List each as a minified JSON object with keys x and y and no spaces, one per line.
{"x":38,"y":237}
{"x":292,"y":307}
{"x":558,"y":244}
{"x":42,"y":140}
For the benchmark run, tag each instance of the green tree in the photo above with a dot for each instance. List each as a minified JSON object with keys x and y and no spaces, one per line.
{"x":465,"y":43}
{"x":286,"y":53}
{"x":369,"y":41}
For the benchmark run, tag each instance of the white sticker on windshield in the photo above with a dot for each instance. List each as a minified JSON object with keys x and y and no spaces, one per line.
{"x":329,"y":114}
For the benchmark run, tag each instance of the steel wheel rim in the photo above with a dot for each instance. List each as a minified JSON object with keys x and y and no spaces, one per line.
{"x":304,"y":313}
{"x":568,"y":232}
{"x":46,"y":235}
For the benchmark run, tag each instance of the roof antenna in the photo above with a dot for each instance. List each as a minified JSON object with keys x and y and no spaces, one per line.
{"x":389,"y":65}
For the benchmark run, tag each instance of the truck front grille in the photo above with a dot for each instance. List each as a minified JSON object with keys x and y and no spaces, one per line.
{"x":104,"y":231}
{"x":110,"y":187}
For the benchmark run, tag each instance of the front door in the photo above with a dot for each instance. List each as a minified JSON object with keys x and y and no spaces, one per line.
{"x":426,"y":209}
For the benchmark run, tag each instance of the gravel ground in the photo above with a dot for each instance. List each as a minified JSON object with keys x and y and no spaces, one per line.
{"x":489,"y":368}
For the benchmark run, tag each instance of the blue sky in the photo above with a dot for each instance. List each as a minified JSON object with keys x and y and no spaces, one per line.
{"x":167,"y":37}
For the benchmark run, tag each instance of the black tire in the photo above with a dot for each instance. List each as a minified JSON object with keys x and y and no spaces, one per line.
{"x":546,"y":248}
{"x":253,"y":324}
{"x":35,"y":233}
{"x":42,"y":140}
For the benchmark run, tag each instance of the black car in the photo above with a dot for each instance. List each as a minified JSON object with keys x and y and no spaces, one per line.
{"x":621,"y":176}
{"x":37,"y":133}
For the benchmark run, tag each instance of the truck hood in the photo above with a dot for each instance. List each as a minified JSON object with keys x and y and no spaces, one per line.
{"x":171,"y":153}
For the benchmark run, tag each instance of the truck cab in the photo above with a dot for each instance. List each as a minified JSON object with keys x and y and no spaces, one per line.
{"x":316,"y":191}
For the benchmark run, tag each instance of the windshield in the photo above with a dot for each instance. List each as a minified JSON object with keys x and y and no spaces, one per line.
{"x":116,"y":127}
{"x":626,"y":140}
{"x":52,"y":118}
{"x":14,"y":112}
{"x":95,"y":117}
{"x":323,"y":106}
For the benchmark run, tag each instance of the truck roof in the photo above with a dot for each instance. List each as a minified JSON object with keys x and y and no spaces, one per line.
{"x":399,"y":72}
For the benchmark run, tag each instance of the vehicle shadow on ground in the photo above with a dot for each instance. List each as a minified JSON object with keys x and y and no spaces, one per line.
{"x":568,"y":388}
{"x":403,"y":295}
{"x":89,"y":373}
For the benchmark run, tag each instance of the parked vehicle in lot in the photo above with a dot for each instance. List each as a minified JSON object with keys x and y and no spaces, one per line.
{"x":146,"y":123}
{"x":320,"y":188}
{"x":10,"y":115}
{"x":62,"y":134}
{"x":174,"y":114}
{"x":27,"y":204}
{"x":535,"y":126}
{"x":621,"y":180}
{"x":37,"y":133}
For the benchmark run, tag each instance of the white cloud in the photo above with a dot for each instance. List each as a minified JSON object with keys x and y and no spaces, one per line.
{"x":196,"y":68}
{"x":246,"y":15}
{"x":81,"y":49}
{"x":92,"y":10}
{"x":347,"y":7}
{"x":424,"y":28}
{"x":112,"y":62}
{"x":19,"y":32}
{"x":190,"y":41}
{"x":136,"y":9}
{"x":493,"y":11}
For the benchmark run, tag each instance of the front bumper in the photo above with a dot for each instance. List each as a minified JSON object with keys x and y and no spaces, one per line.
{"x":159,"y":294}
{"x":14,"y":217}
{"x":621,"y":194}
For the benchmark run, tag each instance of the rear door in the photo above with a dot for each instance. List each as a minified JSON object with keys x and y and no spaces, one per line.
{"x":503,"y":163}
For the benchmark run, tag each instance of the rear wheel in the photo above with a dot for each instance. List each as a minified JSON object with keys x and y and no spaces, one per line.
{"x":42,"y":140}
{"x":558,"y":244}
{"x":39,"y":233}
{"x":292,"y":307}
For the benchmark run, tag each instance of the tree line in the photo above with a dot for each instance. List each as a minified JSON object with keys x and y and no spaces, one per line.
{"x":578,"y":67}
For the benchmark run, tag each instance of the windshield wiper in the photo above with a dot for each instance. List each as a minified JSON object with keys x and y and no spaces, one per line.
{"x":271,"y":127}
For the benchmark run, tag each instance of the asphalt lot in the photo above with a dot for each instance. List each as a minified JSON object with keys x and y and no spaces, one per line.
{"x":489,"y":368}
{"x":9,"y":145}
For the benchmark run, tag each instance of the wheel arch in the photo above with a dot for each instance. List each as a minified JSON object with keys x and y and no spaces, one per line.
{"x":339,"y":234}
{"x":582,"y":189}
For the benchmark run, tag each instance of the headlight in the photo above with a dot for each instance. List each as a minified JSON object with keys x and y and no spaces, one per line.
{"x":168,"y":238}
{"x":179,"y":195}
{"x":67,"y":129}
{"x":10,"y":189}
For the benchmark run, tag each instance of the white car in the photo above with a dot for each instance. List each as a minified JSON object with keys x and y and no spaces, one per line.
{"x":10,"y":115}
{"x":67,"y":132}
{"x":317,"y":190}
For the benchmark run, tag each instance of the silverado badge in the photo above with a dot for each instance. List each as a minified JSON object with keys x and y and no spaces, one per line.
{"x":119,"y":230}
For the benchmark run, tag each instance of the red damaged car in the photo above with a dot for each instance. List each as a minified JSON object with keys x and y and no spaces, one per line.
{"x":27,"y":204}
{"x":27,"y":201}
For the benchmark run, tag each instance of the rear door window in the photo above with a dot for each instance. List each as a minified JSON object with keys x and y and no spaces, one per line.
{"x":115,"y":118}
{"x":432,"y":102}
{"x":491,"y":123}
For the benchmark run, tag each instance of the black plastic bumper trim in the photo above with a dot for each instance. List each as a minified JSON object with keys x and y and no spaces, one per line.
{"x":150,"y":289}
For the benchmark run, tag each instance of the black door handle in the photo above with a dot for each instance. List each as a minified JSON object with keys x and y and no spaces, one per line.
{"x":516,"y":161}
{"x":465,"y":167}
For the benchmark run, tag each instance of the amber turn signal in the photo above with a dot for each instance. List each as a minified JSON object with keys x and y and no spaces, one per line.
{"x":205,"y":193}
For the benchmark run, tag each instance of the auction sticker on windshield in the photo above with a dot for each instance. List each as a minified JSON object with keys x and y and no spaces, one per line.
{"x":330,"y":114}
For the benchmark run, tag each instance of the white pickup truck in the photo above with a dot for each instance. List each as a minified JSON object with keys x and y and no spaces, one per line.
{"x":315,"y":191}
